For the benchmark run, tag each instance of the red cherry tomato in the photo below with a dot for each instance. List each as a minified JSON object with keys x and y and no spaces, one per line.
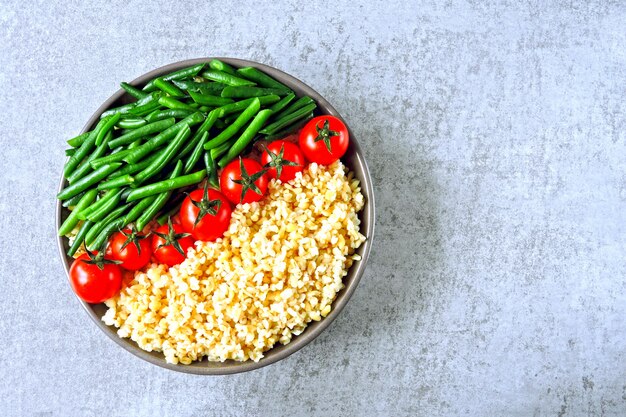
{"x":170,"y":244}
{"x":283,"y":160}
{"x":324,"y":139}
{"x":243,"y":181}
{"x":95,"y":282}
{"x":205,"y":214}
{"x":131,"y":248}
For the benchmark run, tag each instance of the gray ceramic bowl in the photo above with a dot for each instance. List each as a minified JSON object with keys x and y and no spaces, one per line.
{"x":354,"y":159}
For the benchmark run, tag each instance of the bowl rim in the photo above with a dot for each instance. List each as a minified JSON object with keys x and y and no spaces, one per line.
{"x":339,"y":303}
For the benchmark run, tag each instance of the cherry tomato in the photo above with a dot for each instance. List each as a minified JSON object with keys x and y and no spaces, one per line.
{"x":95,"y":279}
{"x":205,"y":214}
{"x":131,"y":248}
{"x":170,"y":244}
{"x":324,"y":139}
{"x":282,"y":160}
{"x":243,"y":181}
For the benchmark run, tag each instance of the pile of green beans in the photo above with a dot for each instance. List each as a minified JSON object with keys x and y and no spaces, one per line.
{"x":174,"y":132}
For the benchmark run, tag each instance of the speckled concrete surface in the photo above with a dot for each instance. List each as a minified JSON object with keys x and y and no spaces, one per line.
{"x":495,"y":132}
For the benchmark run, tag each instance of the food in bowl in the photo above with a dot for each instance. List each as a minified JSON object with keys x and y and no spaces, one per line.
{"x":258,"y":247}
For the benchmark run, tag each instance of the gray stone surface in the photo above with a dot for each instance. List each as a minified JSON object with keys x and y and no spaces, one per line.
{"x":495,"y":132}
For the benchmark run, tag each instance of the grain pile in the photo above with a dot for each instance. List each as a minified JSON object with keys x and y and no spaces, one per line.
{"x":279,"y":266}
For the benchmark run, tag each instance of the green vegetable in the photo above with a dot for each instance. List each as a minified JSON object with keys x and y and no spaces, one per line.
{"x":211,"y":169}
{"x":95,"y":230}
{"x":246,"y":92}
{"x":283,"y":103}
{"x":85,"y":166}
{"x":71,"y":220}
{"x":116,"y":182}
{"x":78,"y":140}
{"x":132,"y":91}
{"x":196,"y":154}
{"x":168,"y":87}
{"x":166,"y":185}
{"x":164,"y":114}
{"x":165,"y":155}
{"x":131,"y":123}
{"x":172,"y":103}
{"x":147,"y":104}
{"x":246,"y":137}
{"x":74,"y":200}
{"x":300,"y":103}
{"x":146,"y":130}
{"x":80,"y":237}
{"x":139,"y":209}
{"x":208,"y":100}
{"x":261,"y":78}
{"x":87,"y":181}
{"x":112,"y":157}
{"x":176,"y":75}
{"x":111,"y":194}
{"x":204,"y":127}
{"x":288,"y":119}
{"x":241,"y":105}
{"x":107,"y":230}
{"x":244,"y":117}
{"x":132,"y":168}
{"x":218,"y":65}
{"x":104,"y":209}
{"x":83,"y":151}
{"x":225,"y":78}
{"x":154,"y":143}
{"x":210,"y":88}
{"x":159,"y":201}
{"x":121,"y":109}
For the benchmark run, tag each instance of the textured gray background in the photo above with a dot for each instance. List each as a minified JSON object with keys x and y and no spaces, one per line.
{"x":495,"y":134}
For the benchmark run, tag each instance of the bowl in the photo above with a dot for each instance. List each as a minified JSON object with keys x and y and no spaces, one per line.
{"x":353,"y":159}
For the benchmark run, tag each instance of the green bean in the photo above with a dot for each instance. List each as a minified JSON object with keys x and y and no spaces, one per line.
{"x":121,"y":109}
{"x":154,"y":143}
{"x":211,"y":169}
{"x":107,"y":230}
{"x":208,"y":100}
{"x":210,"y":88}
{"x":172,"y":103}
{"x":252,"y":109}
{"x":132,"y":91}
{"x":131,"y":123}
{"x":288,"y":119}
{"x":82,"y":152}
{"x":301,"y":102}
{"x":134,"y":144}
{"x":242,"y":104}
{"x":194,"y":106}
{"x":261,"y":78}
{"x":246,"y":137}
{"x":84,"y":213}
{"x":159,"y":201}
{"x":139,"y":209}
{"x":196,"y":154}
{"x":168,"y":87}
{"x":80,"y":237}
{"x":71,"y":220}
{"x":218,"y":65}
{"x":162,"y":219}
{"x":283,"y":103}
{"x":204,"y":109}
{"x":146,"y":104}
{"x":86,"y":166}
{"x":223,"y":77}
{"x":116,"y":182}
{"x":246,"y":92}
{"x":165,"y":155}
{"x":70,"y":151}
{"x":103,"y":210}
{"x":112,"y":157}
{"x":290,"y":129}
{"x":74,"y":200}
{"x":166,"y":185}
{"x":204,"y":127}
{"x":176,"y":75}
{"x":87,"y":181}
{"x":148,"y":129}
{"x":132,"y":168}
{"x":98,"y":226}
{"x":78,"y":140}
{"x":164,"y":114}
{"x":106,"y":127}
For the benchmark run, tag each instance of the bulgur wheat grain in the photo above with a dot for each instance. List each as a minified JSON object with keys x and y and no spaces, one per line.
{"x":279,"y":266}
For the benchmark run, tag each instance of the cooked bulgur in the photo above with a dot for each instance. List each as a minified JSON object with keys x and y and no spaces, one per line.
{"x":279,"y":266}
